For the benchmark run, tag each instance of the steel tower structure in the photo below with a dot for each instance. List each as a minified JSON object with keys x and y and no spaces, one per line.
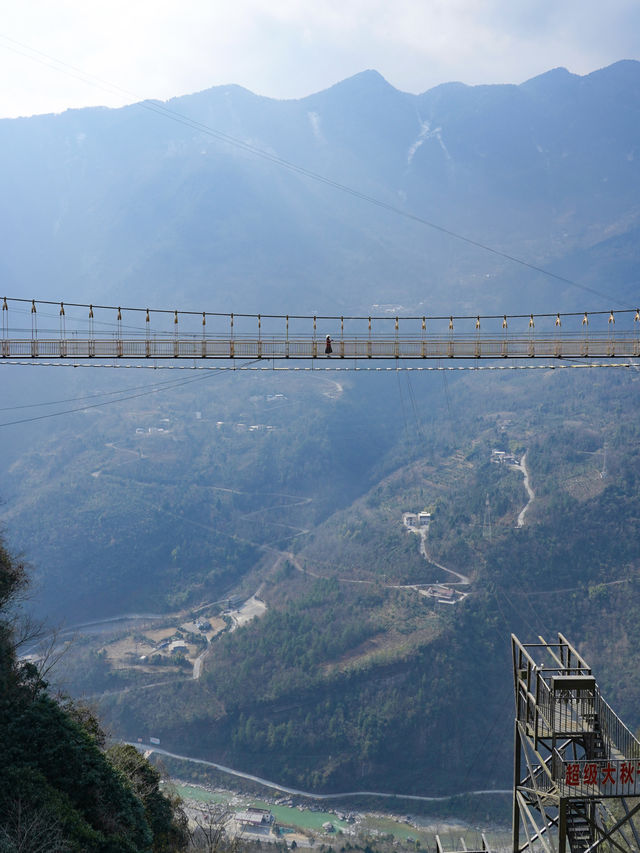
{"x":484,"y":849}
{"x":576,"y":765}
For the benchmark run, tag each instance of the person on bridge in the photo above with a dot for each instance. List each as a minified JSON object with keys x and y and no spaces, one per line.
{"x":328,"y":350}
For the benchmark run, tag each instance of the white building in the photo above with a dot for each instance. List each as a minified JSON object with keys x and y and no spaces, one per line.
{"x":254,"y":822}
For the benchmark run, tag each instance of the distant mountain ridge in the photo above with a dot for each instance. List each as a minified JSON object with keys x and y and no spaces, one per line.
{"x":150,"y":202}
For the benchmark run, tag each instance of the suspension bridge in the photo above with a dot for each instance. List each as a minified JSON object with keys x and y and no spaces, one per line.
{"x":33,"y":329}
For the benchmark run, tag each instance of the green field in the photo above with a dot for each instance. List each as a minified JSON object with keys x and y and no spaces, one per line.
{"x":375,"y":825}
{"x":284,"y":815}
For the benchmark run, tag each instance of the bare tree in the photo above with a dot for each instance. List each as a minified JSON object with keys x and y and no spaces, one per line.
{"x":209,"y":834}
{"x":26,"y":630}
{"x":30,"y":829}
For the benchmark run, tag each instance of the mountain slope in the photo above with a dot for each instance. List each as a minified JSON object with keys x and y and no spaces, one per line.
{"x":152,"y":199}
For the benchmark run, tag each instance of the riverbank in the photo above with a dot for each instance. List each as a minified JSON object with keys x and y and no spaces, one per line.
{"x":310,"y":824}
{"x":375,"y":815}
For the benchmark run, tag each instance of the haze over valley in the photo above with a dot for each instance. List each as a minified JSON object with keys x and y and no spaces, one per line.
{"x":231,"y":550}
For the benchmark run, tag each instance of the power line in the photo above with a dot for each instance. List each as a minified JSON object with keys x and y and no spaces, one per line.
{"x":343,"y":369}
{"x":150,"y":390}
{"x":156,"y":385}
{"x":162,"y":109}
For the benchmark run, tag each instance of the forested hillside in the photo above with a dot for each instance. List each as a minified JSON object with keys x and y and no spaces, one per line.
{"x":60,"y":789}
{"x":351,"y":664}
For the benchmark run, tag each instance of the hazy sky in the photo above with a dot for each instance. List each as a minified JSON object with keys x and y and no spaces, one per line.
{"x":291,"y":48}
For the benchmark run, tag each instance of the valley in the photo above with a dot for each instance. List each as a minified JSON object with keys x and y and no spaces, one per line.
{"x":345,"y":624}
{"x":311,"y":824}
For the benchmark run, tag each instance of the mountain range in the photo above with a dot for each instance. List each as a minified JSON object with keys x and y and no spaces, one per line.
{"x":225,"y":200}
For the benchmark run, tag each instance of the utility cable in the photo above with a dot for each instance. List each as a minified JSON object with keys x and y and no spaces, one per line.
{"x":273,"y":369}
{"x":156,"y":385}
{"x":93,"y":405}
{"x":412,"y":399}
{"x":150,"y":390}
{"x":404,"y":414}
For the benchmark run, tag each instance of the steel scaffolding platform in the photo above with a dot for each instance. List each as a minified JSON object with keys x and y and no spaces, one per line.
{"x":484,"y":849}
{"x":576,"y":765}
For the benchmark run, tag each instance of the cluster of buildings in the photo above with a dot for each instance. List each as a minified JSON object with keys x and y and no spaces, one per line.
{"x":501,"y":457}
{"x":245,"y":427}
{"x":155,"y":430}
{"x":443,"y":594}
{"x":413,"y":520}
{"x":173,"y":646}
{"x":255,"y":823}
{"x":259,"y":824}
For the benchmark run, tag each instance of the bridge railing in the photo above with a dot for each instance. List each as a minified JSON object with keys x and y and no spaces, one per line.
{"x":625,"y":344}
{"x":614,"y":732}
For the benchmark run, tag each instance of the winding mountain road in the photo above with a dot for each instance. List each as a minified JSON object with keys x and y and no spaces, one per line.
{"x":149,"y":748}
{"x":462,"y":579}
{"x":527,"y":484}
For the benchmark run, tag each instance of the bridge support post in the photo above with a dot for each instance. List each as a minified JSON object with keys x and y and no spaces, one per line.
{"x":562,"y":827}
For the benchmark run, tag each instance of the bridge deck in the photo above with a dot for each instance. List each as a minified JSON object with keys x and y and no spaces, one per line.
{"x":622,"y":345}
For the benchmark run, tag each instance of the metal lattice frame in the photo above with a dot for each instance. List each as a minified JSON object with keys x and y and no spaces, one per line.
{"x":484,"y":849}
{"x":576,"y":765}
